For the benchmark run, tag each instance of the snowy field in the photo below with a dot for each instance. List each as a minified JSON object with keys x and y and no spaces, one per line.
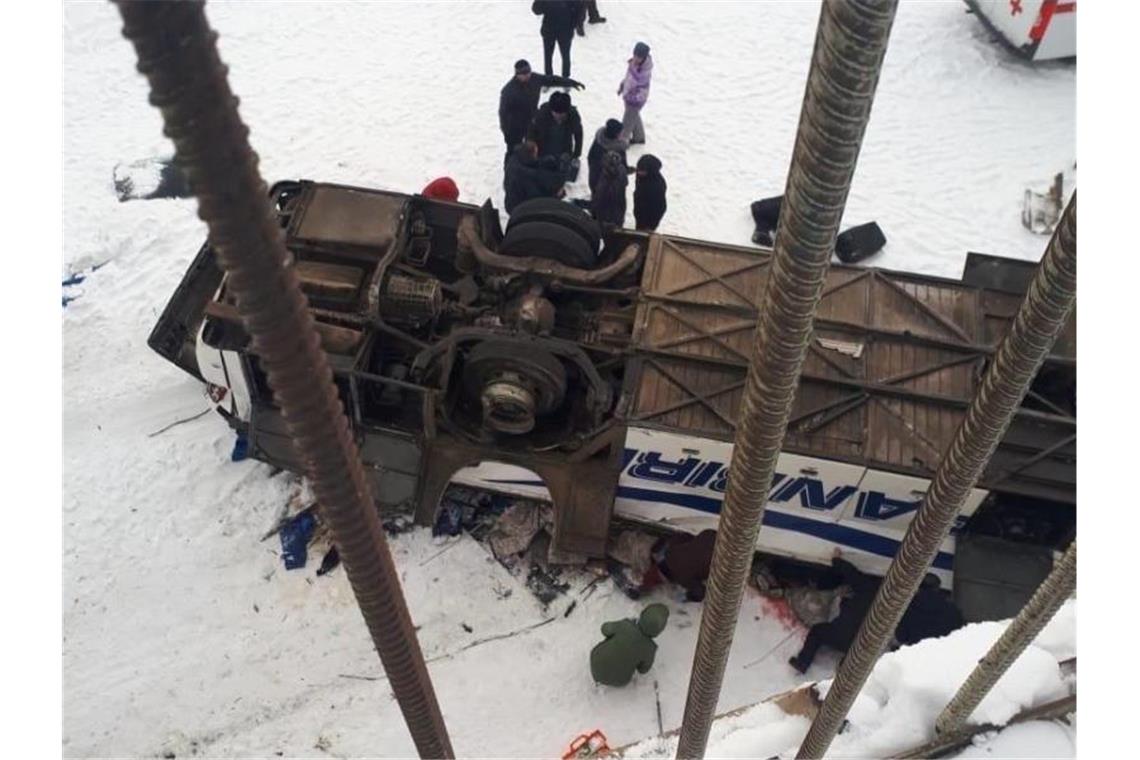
{"x":182,"y":632}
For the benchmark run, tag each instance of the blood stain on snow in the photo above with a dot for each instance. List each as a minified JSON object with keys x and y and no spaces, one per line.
{"x":781,"y":610}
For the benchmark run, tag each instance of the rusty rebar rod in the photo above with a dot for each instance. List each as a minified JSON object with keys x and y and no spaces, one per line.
{"x":1037,"y":612}
{"x":850,"y":42}
{"x":177,"y":52}
{"x":1040,"y":318}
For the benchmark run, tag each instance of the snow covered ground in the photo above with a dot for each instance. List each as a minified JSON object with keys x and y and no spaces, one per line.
{"x":908,"y":688}
{"x":182,"y":632}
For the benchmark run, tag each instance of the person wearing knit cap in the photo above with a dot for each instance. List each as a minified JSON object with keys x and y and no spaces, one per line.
{"x":607,"y":139}
{"x":634,"y":91}
{"x":649,"y":193}
{"x":559,"y":20}
{"x":557,"y":128}
{"x":518,"y":102}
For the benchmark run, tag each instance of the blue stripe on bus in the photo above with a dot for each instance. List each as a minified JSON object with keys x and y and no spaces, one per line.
{"x":839,"y":534}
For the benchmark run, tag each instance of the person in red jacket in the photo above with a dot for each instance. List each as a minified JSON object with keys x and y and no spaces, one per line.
{"x":442,"y":189}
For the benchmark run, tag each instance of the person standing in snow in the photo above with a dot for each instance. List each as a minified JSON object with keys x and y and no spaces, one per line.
{"x":559,"y":20}
{"x":557,"y":129}
{"x":649,"y":193}
{"x":628,"y":646}
{"x":607,"y":200}
{"x":589,"y":9}
{"x":634,"y":91}
{"x":527,"y":177}
{"x":606,"y":139}
{"x":518,"y":102}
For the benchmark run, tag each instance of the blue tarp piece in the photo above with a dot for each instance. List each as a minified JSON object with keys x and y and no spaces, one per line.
{"x":241,"y":448}
{"x":295,"y":536}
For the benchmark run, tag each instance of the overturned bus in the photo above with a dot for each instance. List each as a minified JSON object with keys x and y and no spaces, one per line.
{"x":603,"y":369}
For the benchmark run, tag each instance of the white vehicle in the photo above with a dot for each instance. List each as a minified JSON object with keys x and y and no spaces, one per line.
{"x":603,"y":369}
{"x":1039,"y":30}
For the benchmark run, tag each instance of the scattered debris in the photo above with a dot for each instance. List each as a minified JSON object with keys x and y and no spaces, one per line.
{"x":1040,"y":212}
{"x":150,"y":179}
{"x":160,"y":431}
{"x":241,"y":448}
{"x":545,"y":583}
{"x":330,"y":561}
{"x":295,"y":535}
{"x":587,"y":745}
{"x":569,"y":609}
{"x":397,"y":524}
{"x":467,"y":628}
{"x":449,"y":545}
{"x":657,"y":696}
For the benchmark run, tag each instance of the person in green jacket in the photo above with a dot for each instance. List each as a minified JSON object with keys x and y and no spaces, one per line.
{"x":628,"y":646}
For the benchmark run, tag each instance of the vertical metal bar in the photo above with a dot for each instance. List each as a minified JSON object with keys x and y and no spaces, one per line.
{"x":1039,"y":319}
{"x":850,"y":43}
{"x":1036,"y":613}
{"x":177,"y":52}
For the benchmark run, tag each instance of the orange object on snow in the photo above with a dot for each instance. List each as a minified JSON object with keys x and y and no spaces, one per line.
{"x":442,"y":189}
{"x":587,"y":745}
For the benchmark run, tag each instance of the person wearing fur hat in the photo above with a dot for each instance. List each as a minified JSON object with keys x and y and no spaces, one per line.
{"x":607,"y":201}
{"x":649,"y":193}
{"x":518,"y":101}
{"x":557,"y":129}
{"x":634,"y":91}
{"x":606,"y":139}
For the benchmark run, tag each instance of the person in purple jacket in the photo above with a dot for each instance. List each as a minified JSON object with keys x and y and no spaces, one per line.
{"x":634,"y":90}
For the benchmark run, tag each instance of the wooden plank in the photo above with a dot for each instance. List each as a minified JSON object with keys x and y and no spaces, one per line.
{"x":329,"y":280}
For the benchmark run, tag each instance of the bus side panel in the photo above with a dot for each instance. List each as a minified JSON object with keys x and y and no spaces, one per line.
{"x":1060,"y":37}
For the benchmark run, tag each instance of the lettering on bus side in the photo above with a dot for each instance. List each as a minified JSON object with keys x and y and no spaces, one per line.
{"x":691,"y":472}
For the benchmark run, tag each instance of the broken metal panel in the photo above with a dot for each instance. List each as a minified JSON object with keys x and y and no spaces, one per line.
{"x":332,"y":214}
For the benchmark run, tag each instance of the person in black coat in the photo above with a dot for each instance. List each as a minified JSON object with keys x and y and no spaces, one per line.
{"x":930,"y":614}
{"x":840,"y":632}
{"x":559,"y":21}
{"x":649,"y":193}
{"x":518,"y":102}
{"x":528,"y":177}
{"x":557,"y":128}
{"x":607,"y":202}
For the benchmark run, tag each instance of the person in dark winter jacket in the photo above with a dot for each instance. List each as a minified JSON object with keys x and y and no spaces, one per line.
{"x":557,"y":129}
{"x":766,"y":214}
{"x":840,"y":632}
{"x":685,"y":560}
{"x":929,"y":615}
{"x":527,"y":177}
{"x":628,"y":646}
{"x":606,"y":139}
{"x":649,"y":193}
{"x":559,"y":20}
{"x":518,"y":102}
{"x":589,"y":9}
{"x":607,"y":202}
